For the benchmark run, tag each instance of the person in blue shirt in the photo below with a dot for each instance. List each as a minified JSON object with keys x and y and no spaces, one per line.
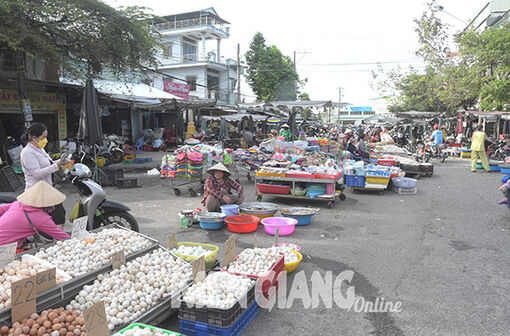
{"x":437,"y":137}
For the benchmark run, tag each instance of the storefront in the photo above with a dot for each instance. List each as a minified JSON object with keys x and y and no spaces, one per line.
{"x":46,"y":107}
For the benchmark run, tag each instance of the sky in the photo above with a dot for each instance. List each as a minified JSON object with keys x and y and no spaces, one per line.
{"x":337,"y":42}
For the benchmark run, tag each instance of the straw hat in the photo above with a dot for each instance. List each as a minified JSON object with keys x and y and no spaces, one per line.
{"x":348,"y":131}
{"x":220,"y":167}
{"x":42,"y":195}
{"x":285,"y":126}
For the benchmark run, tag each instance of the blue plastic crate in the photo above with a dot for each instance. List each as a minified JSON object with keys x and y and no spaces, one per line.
{"x":142,"y":160}
{"x":354,"y":181}
{"x":190,"y":328}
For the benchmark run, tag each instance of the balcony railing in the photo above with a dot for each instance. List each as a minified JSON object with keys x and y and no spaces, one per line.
{"x":189,"y":58}
{"x":197,"y":22}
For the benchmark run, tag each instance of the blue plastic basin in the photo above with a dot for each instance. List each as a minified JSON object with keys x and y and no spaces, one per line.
{"x":301,"y":220}
{"x":212,"y":225}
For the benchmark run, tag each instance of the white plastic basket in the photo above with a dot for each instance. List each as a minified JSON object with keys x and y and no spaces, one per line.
{"x":404,"y":182}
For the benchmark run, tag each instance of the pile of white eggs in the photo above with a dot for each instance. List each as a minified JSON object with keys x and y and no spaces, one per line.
{"x":18,"y":270}
{"x":76,"y":257}
{"x":135,"y":287}
{"x":290,"y":256}
{"x":139,"y":331}
{"x":195,"y":251}
{"x":218,"y":290}
{"x":254,"y":261}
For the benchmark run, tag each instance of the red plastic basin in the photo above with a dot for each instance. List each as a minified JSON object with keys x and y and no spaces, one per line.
{"x":242,"y":223}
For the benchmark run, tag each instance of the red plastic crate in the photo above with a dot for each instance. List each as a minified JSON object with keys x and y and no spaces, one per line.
{"x":455,"y":145}
{"x":386,"y":162}
{"x":301,"y":175}
{"x":327,"y":176}
{"x":273,"y":189}
{"x":147,"y":148}
{"x":267,"y":282}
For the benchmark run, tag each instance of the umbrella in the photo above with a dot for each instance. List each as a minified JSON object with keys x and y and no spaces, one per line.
{"x":459,"y":129}
{"x":223,"y":129}
{"x":90,"y":129}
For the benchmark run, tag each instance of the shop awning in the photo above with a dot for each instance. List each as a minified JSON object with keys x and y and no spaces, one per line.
{"x":137,"y":92}
{"x":492,"y":115}
{"x":235,"y":117}
{"x":417,"y":115}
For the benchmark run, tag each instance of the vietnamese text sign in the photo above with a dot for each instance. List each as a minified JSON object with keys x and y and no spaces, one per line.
{"x":177,"y":89}
{"x":96,"y":323}
{"x":23,"y":298}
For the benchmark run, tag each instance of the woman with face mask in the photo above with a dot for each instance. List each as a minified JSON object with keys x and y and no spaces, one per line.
{"x":38,"y":166}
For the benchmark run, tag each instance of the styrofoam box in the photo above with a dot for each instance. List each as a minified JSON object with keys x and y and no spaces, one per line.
{"x":64,"y":275}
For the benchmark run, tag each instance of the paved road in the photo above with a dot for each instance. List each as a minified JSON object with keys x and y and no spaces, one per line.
{"x":442,"y":253}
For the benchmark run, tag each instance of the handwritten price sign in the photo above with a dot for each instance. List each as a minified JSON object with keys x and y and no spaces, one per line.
{"x":96,"y":323}
{"x":23,"y":298}
{"x":118,"y":259}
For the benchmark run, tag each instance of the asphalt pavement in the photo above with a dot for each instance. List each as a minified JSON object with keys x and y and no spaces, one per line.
{"x":442,"y":253}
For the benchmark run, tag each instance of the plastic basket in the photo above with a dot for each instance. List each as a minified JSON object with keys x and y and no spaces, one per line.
{"x":209,"y":259}
{"x":190,"y":328}
{"x":273,"y":189}
{"x":242,"y":223}
{"x":327,"y":176}
{"x":297,"y":192}
{"x":404,"y":182}
{"x":141,"y":325}
{"x":223,"y":318}
{"x":377,"y":179}
{"x":354,"y":181}
{"x":259,"y":173}
{"x":267,"y":282}
{"x":386,"y":162}
{"x":301,"y":175}
{"x":291,"y":267}
{"x":211,"y":225}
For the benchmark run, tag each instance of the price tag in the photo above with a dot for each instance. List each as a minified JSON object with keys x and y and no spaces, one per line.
{"x":255,"y":241}
{"x":198,"y":269}
{"x":229,"y":250}
{"x":80,"y":228}
{"x":172,"y":240}
{"x":95,"y":320}
{"x":7,"y":254}
{"x":276,"y":236}
{"x":118,"y":259}
{"x":23,"y":298}
{"x":45,"y":280}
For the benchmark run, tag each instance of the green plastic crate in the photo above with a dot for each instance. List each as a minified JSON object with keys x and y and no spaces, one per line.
{"x":141,"y":325}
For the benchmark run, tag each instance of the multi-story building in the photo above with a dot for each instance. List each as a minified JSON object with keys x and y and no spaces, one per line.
{"x":192,"y":57}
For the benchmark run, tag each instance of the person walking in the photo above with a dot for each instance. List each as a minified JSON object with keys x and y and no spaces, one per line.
{"x":38,"y":166}
{"x":478,"y":149}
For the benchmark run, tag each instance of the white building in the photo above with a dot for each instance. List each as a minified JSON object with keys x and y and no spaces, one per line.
{"x":192,"y":57}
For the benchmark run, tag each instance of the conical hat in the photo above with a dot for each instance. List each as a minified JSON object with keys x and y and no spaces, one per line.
{"x":219,"y":167}
{"x":42,"y":195}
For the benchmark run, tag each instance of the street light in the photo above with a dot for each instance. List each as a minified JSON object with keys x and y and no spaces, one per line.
{"x":441,"y":9}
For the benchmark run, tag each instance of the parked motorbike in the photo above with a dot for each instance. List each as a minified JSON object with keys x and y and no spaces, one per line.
{"x":496,"y":151}
{"x":93,"y":202}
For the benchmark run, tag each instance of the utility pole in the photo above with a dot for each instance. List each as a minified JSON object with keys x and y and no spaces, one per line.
{"x":238,"y":80}
{"x":339,"y":102}
{"x":295,"y":60}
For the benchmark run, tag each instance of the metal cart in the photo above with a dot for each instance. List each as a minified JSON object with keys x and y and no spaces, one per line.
{"x":331,"y":198}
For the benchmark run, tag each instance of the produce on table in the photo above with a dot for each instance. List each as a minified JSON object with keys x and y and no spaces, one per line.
{"x":139,"y":331}
{"x":135,"y":287}
{"x":254,"y":261}
{"x":76,"y":257}
{"x":18,"y":270}
{"x":195,"y":251}
{"x":51,"y":322}
{"x":290,"y":256}
{"x":218,"y":290}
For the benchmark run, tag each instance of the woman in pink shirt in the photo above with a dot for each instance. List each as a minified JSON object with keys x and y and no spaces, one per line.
{"x":28,"y":215}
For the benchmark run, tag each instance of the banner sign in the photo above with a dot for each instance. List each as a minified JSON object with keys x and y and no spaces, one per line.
{"x":177,"y":89}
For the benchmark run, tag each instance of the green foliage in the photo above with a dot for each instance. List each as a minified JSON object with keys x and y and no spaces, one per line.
{"x":72,"y":32}
{"x":271,"y":74}
{"x":304,"y":96}
{"x":479,"y":77}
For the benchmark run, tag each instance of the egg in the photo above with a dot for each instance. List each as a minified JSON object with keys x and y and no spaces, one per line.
{"x":195,"y":251}
{"x":290,"y":256}
{"x":254,"y":261}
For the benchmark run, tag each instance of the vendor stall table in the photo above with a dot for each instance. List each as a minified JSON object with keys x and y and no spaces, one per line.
{"x":330,"y":198}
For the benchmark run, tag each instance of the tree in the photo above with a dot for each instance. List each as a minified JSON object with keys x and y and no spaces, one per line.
{"x":71,"y":33}
{"x":271,"y":74}
{"x":304,"y":97}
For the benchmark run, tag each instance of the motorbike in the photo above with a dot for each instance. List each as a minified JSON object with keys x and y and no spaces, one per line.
{"x":496,"y":151}
{"x":93,"y":202}
{"x":425,"y":152}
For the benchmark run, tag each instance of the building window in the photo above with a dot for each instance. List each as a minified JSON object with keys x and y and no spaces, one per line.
{"x":192,"y":82}
{"x":189,"y":52}
{"x":167,"y":52}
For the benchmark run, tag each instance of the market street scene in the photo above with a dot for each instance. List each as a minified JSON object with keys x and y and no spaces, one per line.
{"x":207,"y":168}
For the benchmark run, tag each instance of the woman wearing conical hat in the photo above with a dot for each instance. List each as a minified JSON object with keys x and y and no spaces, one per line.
{"x":220,"y":189}
{"x":28,"y":215}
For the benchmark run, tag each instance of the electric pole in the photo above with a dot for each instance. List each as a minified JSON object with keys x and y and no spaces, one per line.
{"x":295,"y":60}
{"x":339,"y":102}
{"x":238,"y":80}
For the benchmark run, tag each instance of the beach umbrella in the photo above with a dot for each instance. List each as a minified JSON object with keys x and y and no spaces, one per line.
{"x":459,"y":129}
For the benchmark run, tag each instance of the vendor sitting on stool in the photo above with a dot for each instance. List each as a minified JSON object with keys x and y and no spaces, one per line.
{"x":220,"y":189}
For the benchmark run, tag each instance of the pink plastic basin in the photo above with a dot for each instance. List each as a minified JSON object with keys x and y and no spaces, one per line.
{"x":285,"y":225}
